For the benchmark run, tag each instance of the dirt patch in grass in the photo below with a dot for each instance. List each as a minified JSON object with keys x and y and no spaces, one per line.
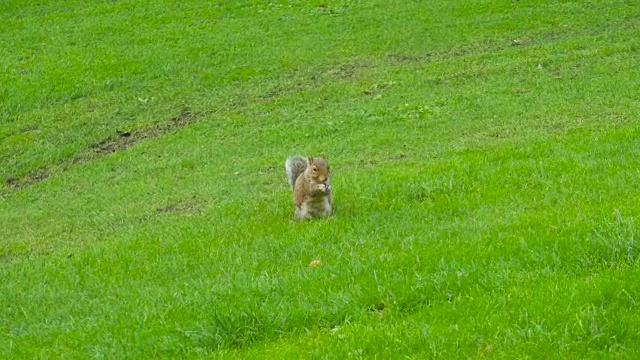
{"x":348,"y":70}
{"x":29,"y":128}
{"x":185,"y":206}
{"x":407,"y":58}
{"x":351,"y":70}
{"x":284,"y":90}
{"x":33,"y":177}
{"x":121,"y":140}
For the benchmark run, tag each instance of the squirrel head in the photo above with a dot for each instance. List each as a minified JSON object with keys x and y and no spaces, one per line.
{"x":319,"y":169}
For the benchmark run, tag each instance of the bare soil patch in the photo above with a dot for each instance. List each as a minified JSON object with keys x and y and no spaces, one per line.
{"x":120,"y":140}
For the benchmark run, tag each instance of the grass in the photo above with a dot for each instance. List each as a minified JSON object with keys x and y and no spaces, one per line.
{"x":484,"y":159}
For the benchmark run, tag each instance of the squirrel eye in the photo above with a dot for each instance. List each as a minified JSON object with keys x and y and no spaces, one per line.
{"x":315,"y":169}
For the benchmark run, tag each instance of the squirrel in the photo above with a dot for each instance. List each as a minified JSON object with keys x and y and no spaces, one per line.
{"x":310,"y":183}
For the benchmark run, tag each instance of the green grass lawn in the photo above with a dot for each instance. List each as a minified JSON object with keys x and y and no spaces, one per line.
{"x":485,"y":159}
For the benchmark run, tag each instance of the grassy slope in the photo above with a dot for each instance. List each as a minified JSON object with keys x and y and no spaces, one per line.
{"x":485,"y":190}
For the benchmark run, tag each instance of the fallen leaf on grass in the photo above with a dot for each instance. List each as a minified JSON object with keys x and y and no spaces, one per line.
{"x":314,"y":263}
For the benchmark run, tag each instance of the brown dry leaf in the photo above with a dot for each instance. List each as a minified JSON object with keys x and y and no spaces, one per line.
{"x":314,"y":263}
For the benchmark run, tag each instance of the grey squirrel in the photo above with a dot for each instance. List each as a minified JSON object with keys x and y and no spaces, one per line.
{"x":311,"y":186}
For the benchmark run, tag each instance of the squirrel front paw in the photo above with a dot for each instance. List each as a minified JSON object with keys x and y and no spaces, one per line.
{"x":321,"y":187}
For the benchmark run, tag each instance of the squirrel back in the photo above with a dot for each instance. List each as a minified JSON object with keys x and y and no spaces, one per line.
{"x":311,"y":186}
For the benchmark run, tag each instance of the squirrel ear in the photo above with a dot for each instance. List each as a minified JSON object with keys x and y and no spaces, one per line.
{"x":322,"y":156}
{"x":310,"y":159}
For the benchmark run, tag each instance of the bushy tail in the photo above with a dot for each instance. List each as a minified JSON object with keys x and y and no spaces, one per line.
{"x":295,"y":166}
